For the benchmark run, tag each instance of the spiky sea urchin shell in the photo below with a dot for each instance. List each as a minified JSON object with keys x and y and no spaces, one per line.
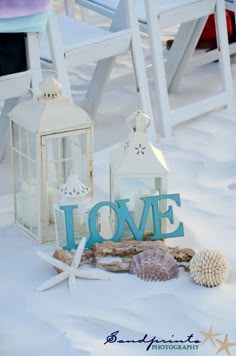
{"x":209,"y":268}
{"x":154,"y":265}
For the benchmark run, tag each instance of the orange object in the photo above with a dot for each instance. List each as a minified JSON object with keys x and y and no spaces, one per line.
{"x":209,"y":31}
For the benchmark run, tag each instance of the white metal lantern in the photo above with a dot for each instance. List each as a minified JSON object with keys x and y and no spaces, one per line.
{"x":138,"y":169}
{"x":49,"y":137}
{"x":73,"y":192}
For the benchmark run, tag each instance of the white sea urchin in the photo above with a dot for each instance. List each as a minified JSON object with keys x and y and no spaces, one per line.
{"x":209,"y":268}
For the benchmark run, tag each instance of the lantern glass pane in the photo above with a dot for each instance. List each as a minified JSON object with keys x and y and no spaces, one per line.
{"x":25,"y":170}
{"x":32,"y":171}
{"x":17,"y":185}
{"x":34,"y":184}
{"x":30,"y":205}
{"x":81,"y":229}
{"x":65,"y":153}
{"x":60,"y":227}
{"x":81,"y":149}
{"x":80,"y":222}
{"x":23,"y":141}
{"x":68,"y":166}
{"x":15,"y":136}
{"x":133,"y":189}
{"x":51,"y":169}
{"x":25,"y":186}
{"x":67,"y":147}
{"x":52,"y":157}
{"x":32,"y":145}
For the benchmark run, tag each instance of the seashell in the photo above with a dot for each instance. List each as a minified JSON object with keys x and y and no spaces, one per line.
{"x":154,"y":265}
{"x":209,"y":268}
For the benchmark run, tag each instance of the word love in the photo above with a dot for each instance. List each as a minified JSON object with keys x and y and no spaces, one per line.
{"x":123,"y":216}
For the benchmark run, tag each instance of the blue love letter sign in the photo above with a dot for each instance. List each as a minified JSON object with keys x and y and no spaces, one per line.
{"x":69,"y":224}
{"x":123,"y":214}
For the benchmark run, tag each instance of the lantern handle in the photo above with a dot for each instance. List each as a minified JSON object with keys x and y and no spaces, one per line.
{"x":131,"y":119}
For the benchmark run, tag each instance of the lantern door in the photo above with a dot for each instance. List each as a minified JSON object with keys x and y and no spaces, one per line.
{"x":61,"y":154}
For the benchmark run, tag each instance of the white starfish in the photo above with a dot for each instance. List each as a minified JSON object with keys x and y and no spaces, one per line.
{"x":70,"y":272}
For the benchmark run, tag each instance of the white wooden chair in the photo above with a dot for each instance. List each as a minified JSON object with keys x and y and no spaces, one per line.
{"x":30,"y":19}
{"x":13,"y":86}
{"x":213,"y":55}
{"x":155,"y":15}
{"x":73,"y":42}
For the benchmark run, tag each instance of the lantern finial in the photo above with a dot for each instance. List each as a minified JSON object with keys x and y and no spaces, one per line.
{"x":51,"y":88}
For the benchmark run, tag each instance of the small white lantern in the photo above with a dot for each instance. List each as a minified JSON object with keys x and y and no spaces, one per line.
{"x":73,"y":193}
{"x":138,"y":169}
{"x":49,"y":137}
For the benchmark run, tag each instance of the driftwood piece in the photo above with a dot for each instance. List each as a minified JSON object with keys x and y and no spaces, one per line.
{"x":117,"y":256}
{"x":114,"y":263}
{"x":127,"y":248}
{"x":182,"y":254}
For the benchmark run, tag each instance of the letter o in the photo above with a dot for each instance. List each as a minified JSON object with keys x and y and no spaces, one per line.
{"x":94,"y":234}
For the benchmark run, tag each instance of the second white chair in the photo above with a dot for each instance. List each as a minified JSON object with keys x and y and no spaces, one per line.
{"x":73,"y":43}
{"x":156,"y":15}
{"x":13,"y":86}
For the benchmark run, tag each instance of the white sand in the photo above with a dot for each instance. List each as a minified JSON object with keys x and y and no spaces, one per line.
{"x":202,"y":159}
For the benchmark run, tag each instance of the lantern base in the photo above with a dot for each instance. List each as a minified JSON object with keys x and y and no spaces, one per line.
{"x":33,"y":232}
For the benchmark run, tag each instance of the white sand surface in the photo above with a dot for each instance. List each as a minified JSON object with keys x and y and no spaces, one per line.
{"x":202,"y":160}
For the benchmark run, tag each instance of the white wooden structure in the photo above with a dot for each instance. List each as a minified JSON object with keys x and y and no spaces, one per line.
{"x":155,"y":15}
{"x":72,"y":42}
{"x":14,"y":85}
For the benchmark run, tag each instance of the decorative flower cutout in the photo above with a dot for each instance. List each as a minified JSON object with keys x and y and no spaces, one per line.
{"x":126,"y":146}
{"x":84,"y":189}
{"x":140,"y":149}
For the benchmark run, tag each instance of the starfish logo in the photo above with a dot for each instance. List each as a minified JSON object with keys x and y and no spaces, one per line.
{"x":225,"y":345}
{"x":211,"y":337}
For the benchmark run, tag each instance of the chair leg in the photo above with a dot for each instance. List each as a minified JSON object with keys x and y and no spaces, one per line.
{"x":223,"y":49}
{"x":163,"y":107}
{"x":70,"y":8}
{"x":182,"y":50}
{"x":141,"y":80}
{"x":104,"y":67}
{"x":57,"y":54}
{"x":139,"y":68}
{"x":143,"y":89}
{"x":84,"y":14}
{"x":33,"y":57}
{"x":96,"y":87}
{"x":4,"y":123}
